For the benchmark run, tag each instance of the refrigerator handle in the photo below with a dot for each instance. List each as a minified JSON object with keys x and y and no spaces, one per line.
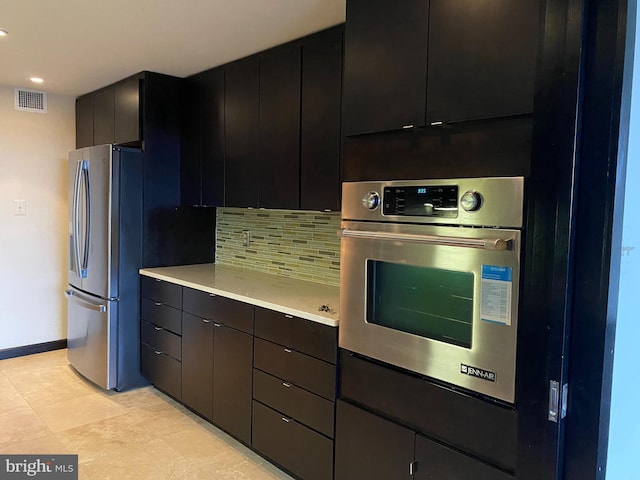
{"x":98,"y":307}
{"x":76,"y":220}
{"x":87,"y":213}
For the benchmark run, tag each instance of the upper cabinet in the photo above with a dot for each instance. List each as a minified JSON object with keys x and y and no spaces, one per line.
{"x":110,"y":115}
{"x":264,"y":131}
{"x":242,"y":103}
{"x":385,"y":65}
{"x":427,"y":62}
{"x":320,"y":120}
{"x":279,"y":126}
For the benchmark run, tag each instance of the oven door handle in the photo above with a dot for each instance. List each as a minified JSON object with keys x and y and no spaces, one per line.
{"x":482,"y":243}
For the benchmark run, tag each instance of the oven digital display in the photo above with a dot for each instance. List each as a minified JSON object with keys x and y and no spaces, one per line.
{"x":421,"y":201}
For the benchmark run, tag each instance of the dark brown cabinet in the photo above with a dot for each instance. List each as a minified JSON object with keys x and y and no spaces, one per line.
{"x":84,"y":121}
{"x":294,"y":391}
{"x":279,"y":127}
{"x":218,"y":360}
{"x":242,"y":94}
{"x":160,"y":335}
{"x":264,"y":131}
{"x":197,"y":364}
{"x":385,"y":65}
{"x":320,"y":120}
{"x":232,"y":374}
{"x":427,"y":62}
{"x":103,"y":117}
{"x":368,"y":446}
{"x":115,"y":116}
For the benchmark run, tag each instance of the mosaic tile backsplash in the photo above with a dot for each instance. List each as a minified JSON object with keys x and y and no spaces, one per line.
{"x":291,"y":243}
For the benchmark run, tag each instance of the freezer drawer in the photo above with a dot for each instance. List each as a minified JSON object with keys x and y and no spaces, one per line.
{"x":91,"y":337}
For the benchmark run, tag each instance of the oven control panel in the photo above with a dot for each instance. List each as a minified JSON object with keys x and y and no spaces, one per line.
{"x":421,"y":201}
{"x":489,"y":202}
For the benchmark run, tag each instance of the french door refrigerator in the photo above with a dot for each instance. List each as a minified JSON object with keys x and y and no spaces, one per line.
{"x":105,"y":253}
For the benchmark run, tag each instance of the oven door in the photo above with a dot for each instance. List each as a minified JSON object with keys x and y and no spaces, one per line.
{"x":440,"y":301}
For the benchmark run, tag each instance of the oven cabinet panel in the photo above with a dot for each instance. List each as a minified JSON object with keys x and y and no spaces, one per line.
{"x":296,"y":448}
{"x":437,"y":462}
{"x":477,"y":427}
{"x":370,"y":447}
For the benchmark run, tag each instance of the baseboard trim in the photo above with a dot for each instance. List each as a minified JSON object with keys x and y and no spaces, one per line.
{"x":31,"y":349}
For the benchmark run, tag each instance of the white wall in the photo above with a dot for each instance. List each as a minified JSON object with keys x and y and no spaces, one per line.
{"x":623,"y":458}
{"x":33,"y":253}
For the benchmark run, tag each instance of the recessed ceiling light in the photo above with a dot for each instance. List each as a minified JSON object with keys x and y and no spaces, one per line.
{"x":3,"y":33}
{"x":36,"y":80}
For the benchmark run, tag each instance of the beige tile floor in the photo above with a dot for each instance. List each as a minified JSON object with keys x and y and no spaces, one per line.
{"x":47,"y":408}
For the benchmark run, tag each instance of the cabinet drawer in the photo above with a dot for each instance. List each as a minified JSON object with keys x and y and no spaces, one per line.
{"x":162,"y":292}
{"x":302,"y":370}
{"x":305,"y":407}
{"x":162,"y":315}
{"x":305,"y":336}
{"x":162,"y":370}
{"x":238,"y":315}
{"x":161,"y":339}
{"x":296,"y":448}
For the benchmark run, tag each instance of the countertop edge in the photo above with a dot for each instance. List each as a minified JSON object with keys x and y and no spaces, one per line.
{"x":242,"y":298}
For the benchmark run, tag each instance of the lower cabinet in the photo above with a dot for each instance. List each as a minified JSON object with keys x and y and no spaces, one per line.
{"x":270,"y":384}
{"x":372,"y":447}
{"x":232,"y":368}
{"x":298,"y":449}
{"x":197,"y":364}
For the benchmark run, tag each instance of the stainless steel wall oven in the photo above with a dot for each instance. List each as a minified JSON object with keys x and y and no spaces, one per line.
{"x":429,"y":279}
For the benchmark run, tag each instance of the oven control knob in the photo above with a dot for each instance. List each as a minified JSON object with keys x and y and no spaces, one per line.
{"x":470,"y":201}
{"x":371,"y":200}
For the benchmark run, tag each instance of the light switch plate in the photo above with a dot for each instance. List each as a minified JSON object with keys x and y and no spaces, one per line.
{"x":20,"y":208}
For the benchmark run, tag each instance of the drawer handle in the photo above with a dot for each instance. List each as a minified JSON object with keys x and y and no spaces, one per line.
{"x":158,"y":304}
{"x":212,"y":295}
{"x":157,"y":329}
{"x":285,"y":419}
{"x":285,"y":384}
{"x":288,"y":316}
{"x":157,"y":280}
{"x":206,"y":321}
{"x":157,"y":352}
{"x":217,"y":325}
{"x":287,"y":350}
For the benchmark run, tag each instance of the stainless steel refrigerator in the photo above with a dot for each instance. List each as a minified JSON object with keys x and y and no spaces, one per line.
{"x":105,"y":253}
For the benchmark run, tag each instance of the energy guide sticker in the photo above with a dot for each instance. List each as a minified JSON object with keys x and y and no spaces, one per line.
{"x":495,"y":294}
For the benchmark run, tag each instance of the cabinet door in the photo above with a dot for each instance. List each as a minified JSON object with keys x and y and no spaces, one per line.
{"x":241,"y":133}
{"x":279,"y":146}
{"x":437,"y":462}
{"x":482,"y":58}
{"x":385,"y":70}
{"x":84,"y":121}
{"x":197,"y":363}
{"x":232,"y":381}
{"x":320,"y":121}
{"x":212,"y":134}
{"x":368,"y":446}
{"x":103,"y":117}
{"x":127,"y":112}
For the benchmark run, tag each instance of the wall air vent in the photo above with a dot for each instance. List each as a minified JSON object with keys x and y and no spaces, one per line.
{"x":31,"y":100}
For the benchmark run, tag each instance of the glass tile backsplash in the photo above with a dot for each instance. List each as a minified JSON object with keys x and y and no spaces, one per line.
{"x":291,"y":243}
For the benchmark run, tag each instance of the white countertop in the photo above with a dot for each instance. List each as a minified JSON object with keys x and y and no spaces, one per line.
{"x":287,"y":295}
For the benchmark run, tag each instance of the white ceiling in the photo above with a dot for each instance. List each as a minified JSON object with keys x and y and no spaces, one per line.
{"x":80,"y":45}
